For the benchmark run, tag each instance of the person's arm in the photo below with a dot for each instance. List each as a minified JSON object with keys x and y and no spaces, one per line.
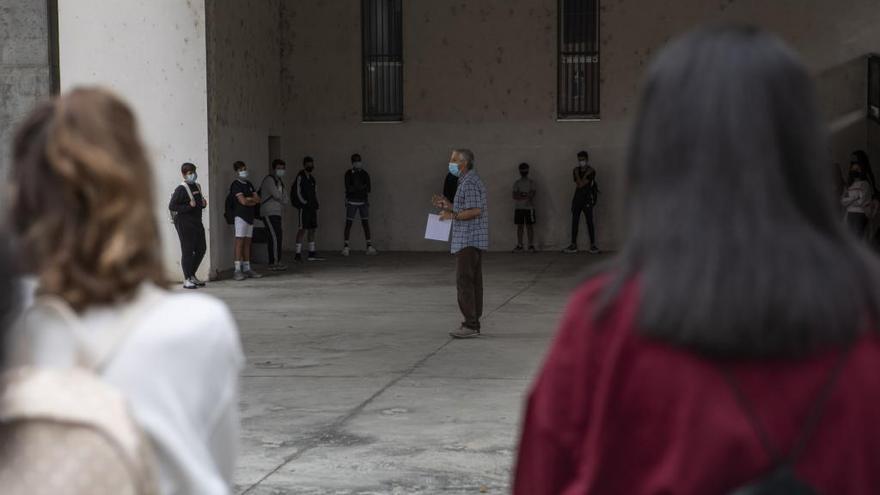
{"x":270,"y":188}
{"x":202,"y":195}
{"x":850,"y":196}
{"x":299,"y":191}
{"x":463,"y":215}
{"x":470,"y":207}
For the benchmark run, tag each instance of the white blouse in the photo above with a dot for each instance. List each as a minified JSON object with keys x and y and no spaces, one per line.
{"x":178,"y":367}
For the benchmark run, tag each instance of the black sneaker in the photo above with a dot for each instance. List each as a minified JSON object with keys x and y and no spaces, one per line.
{"x":532,"y":249}
{"x":518,"y":249}
{"x":313,"y":256}
{"x":571,"y":249}
{"x":298,"y":258}
{"x":594,"y":250}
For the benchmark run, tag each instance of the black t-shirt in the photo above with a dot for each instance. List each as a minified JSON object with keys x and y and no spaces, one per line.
{"x":238,"y":186}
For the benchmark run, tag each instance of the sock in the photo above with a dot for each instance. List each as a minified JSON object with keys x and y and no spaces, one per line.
{"x":246,"y":266}
{"x":311,"y":247}
{"x":299,"y":248}
{"x":238,"y":266}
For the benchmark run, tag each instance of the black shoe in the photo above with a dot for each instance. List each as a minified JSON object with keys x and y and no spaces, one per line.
{"x":518,"y":249}
{"x":298,"y":258}
{"x":313,"y":256}
{"x":532,"y":249}
{"x":465,"y":333}
{"x":571,"y":249}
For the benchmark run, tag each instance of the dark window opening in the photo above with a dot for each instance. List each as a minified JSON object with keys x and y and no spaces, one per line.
{"x":578,"y":59}
{"x":382,"y":25}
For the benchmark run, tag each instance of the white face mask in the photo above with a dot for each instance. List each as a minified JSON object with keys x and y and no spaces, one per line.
{"x":582,"y":163}
{"x":279,"y":172}
{"x":191,"y":178}
{"x":244,"y":174}
{"x":358,"y":165}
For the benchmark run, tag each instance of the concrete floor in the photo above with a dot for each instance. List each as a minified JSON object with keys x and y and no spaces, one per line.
{"x":353,"y":386}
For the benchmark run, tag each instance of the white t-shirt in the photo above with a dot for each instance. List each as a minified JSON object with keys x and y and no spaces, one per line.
{"x":178,"y":368}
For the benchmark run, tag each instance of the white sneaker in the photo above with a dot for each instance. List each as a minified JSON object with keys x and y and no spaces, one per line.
{"x":346,"y":251}
{"x":239,"y":275}
{"x":252,"y":274}
{"x":371,"y":251}
{"x":189,"y":284}
{"x":197,"y":281}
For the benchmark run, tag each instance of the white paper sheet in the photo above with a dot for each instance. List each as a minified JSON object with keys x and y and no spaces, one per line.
{"x":437,"y":230}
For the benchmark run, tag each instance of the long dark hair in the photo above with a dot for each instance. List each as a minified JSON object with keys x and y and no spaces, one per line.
{"x":734,"y":242}
{"x":865,"y":164}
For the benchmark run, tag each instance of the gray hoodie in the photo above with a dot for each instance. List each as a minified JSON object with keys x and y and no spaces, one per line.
{"x":272,"y":195}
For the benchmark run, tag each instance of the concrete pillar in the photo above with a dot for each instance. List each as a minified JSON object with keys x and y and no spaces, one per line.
{"x":25,"y":73}
{"x":152,"y":53}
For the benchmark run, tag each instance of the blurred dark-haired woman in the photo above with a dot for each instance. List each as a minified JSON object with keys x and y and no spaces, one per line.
{"x":735,"y":335}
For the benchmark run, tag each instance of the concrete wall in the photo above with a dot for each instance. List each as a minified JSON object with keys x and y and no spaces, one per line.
{"x":482,"y":75}
{"x":152,"y":52}
{"x":244,"y":99}
{"x":25,"y":74}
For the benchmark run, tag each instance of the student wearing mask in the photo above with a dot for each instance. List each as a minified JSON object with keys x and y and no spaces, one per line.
{"x":304,"y":196}
{"x":857,"y":200}
{"x":357,"y":192}
{"x":83,"y":220}
{"x":274,"y":199}
{"x":586,"y":194}
{"x":186,"y":205}
{"x":524,"y":208}
{"x":246,"y":201}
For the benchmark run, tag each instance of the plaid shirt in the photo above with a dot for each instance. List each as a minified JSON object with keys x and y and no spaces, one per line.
{"x":475,"y":232}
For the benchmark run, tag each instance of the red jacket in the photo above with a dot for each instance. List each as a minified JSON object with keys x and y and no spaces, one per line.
{"x":613,"y":413}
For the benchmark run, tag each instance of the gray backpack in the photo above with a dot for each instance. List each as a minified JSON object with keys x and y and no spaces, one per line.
{"x":66,"y":430}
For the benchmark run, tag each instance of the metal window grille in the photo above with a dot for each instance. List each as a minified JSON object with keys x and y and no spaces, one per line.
{"x":874,"y":88}
{"x":382,"y":26}
{"x":578,"y":62}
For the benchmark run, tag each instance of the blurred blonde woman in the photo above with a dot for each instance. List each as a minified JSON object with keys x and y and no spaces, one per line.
{"x":82,"y":214}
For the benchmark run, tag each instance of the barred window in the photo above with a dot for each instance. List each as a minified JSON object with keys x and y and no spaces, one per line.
{"x":382,"y":26}
{"x":578,"y":59}
{"x":874,"y":88}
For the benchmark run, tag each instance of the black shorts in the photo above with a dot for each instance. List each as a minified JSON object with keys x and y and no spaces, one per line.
{"x":524,"y":217}
{"x":308,"y":219}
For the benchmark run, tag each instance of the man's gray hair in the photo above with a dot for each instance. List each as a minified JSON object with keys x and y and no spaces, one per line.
{"x":468,"y":156}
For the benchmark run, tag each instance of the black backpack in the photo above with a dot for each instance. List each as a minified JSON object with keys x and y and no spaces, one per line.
{"x":782,"y":479}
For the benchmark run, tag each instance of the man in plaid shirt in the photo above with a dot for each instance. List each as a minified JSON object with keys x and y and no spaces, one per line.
{"x":470,"y":237}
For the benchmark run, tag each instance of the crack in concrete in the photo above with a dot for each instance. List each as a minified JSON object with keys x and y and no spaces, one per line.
{"x":334,"y":429}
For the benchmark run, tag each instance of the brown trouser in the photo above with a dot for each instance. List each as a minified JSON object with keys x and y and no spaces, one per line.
{"x":469,"y":280}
